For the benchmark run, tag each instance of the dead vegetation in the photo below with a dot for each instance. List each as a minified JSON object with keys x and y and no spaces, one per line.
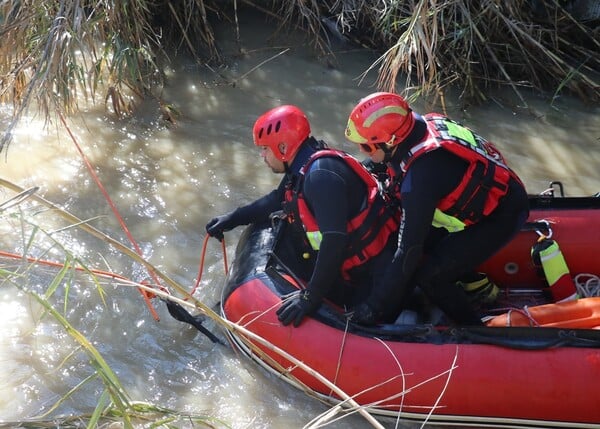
{"x":426,"y":46}
{"x":58,"y":52}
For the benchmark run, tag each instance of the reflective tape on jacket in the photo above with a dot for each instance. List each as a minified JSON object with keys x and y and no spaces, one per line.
{"x":368,"y":231}
{"x":486,"y":179}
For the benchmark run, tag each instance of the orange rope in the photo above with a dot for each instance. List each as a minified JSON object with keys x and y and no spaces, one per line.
{"x":201,"y":267}
{"x":60,"y":265}
{"x":224,"y":256}
{"x":118,"y":216}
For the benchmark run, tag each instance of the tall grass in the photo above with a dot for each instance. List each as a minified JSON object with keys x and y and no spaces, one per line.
{"x":57,"y":52}
{"x":427,"y":46}
{"x":51,"y":291}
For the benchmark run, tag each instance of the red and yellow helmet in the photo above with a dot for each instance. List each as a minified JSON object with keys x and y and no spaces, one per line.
{"x":382,"y":117}
{"x":284,"y":124}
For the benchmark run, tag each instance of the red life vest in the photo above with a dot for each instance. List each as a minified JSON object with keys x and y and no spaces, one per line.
{"x":369,"y":230}
{"x":487,"y":176}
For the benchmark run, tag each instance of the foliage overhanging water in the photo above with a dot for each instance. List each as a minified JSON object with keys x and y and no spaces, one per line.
{"x":167,"y":182}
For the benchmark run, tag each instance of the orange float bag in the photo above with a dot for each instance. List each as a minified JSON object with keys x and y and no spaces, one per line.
{"x":583,"y":313}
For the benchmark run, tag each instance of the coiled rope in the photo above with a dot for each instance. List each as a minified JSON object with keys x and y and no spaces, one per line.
{"x":588,"y":285}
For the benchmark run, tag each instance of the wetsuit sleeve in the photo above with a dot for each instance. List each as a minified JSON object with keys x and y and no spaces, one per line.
{"x":258,"y":210}
{"x":326,"y":192}
{"x":427,"y":181}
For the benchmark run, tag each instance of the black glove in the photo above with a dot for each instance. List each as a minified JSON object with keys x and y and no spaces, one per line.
{"x":364,"y":314}
{"x":217,"y":226}
{"x":295,"y":306}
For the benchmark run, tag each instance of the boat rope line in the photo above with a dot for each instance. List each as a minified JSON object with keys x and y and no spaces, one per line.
{"x":31,"y":259}
{"x":525,"y":312}
{"x":588,"y":285}
{"x":179,"y":313}
{"x":175,"y":310}
{"x":146,"y":296}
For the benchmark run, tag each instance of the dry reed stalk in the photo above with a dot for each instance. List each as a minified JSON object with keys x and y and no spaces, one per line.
{"x":192,"y":26}
{"x":476,"y":45}
{"x":306,"y":15}
{"x":327,"y":416}
{"x":250,"y":338}
{"x":56,"y":54}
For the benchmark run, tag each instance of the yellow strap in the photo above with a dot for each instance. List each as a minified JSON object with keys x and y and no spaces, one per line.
{"x":460,"y":132}
{"x":554,"y":263}
{"x":443,"y":220}
{"x":314,"y":238}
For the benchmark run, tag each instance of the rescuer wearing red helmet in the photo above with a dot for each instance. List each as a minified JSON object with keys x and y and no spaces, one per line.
{"x":459,"y":203}
{"x":331,"y":202}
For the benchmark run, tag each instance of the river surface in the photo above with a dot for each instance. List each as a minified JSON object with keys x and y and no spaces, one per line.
{"x":167,"y":183}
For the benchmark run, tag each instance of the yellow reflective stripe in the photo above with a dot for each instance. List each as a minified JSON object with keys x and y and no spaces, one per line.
{"x":352,"y":133}
{"x":442,"y":220}
{"x":460,"y":132}
{"x":470,"y":287}
{"x":384,"y":111}
{"x":314,"y":238}
{"x":554,"y":263}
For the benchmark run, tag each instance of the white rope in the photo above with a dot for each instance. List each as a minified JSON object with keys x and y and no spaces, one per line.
{"x":587,"y":285}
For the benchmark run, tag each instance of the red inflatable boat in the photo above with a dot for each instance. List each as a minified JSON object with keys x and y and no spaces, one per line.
{"x":536,"y":365}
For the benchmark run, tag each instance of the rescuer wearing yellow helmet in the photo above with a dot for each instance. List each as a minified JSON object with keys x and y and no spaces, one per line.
{"x":460,"y":203}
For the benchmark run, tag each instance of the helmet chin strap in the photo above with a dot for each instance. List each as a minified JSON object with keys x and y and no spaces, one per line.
{"x":389,"y":149}
{"x":389,"y":153}
{"x":286,"y":167}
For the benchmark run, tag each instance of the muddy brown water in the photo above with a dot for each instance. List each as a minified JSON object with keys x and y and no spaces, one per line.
{"x":167,"y":182}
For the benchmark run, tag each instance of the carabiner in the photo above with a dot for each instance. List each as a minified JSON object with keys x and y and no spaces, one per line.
{"x":540,"y":233}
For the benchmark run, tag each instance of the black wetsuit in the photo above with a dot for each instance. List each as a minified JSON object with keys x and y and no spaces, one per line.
{"x":432,"y":258}
{"x":334,"y":194}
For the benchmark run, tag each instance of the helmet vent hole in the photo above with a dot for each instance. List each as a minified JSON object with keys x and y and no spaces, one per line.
{"x":277,"y":126}
{"x":260,"y":133}
{"x":269,"y":129}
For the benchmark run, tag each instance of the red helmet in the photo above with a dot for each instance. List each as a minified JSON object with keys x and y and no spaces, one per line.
{"x":381,"y":117}
{"x":284,"y":124}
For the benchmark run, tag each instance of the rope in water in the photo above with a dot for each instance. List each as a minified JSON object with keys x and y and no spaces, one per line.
{"x":115,"y":211}
{"x":46,"y":262}
{"x":201,"y":267}
{"x":146,"y":295}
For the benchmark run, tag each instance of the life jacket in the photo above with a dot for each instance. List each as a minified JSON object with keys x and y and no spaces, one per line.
{"x":368,"y":231}
{"x":484,"y":183}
